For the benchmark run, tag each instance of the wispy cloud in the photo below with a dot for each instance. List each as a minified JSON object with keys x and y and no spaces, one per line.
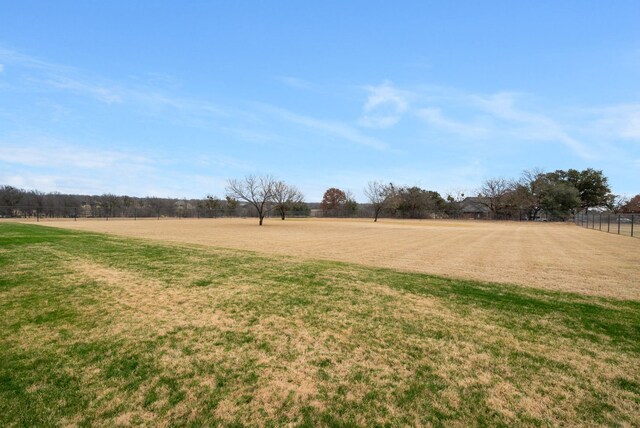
{"x":434,"y":117}
{"x":334,"y":128}
{"x":12,"y":57}
{"x":295,"y":82}
{"x":102,"y":93}
{"x":133,"y":93}
{"x":498,"y":115}
{"x":529,"y":125}
{"x":622,"y":121}
{"x":384,"y":106}
{"x":50,"y":153}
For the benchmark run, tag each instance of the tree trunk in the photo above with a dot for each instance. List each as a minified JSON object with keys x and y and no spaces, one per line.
{"x":261,"y":217}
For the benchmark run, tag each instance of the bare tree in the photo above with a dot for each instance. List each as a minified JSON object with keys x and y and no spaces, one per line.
{"x":285,"y":196}
{"x":9,"y":199}
{"x":529,"y":190}
{"x":455,"y":195}
{"x":631,"y":205}
{"x":256,"y":190}
{"x":495,"y":191}
{"x":379,"y":195}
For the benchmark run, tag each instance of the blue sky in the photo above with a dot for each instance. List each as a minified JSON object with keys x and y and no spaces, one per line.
{"x":173,"y":98}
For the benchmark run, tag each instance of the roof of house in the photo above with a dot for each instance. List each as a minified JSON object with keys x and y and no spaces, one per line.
{"x":473,"y":204}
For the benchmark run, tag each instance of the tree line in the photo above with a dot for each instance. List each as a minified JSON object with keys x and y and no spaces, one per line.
{"x":557,"y":195}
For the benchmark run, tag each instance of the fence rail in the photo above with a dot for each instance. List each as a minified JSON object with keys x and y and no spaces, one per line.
{"x":620,"y":224}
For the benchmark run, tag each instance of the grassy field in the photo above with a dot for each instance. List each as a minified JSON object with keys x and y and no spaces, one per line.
{"x":552,"y":256}
{"x":101,"y":330}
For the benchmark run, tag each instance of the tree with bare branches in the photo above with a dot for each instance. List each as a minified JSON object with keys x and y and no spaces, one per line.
{"x":631,"y":205}
{"x":379,"y":195}
{"x":285,"y":197}
{"x":494,"y":191}
{"x":258,"y":191}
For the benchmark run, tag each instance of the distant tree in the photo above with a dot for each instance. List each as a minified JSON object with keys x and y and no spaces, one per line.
{"x":9,"y":199}
{"x":411,"y":202}
{"x":619,"y":202}
{"x":456,"y":195}
{"x":350,"y":206}
{"x":333,"y":199}
{"x":632,"y":206}
{"x":152,"y":202}
{"x":559,"y":198}
{"x":110,"y":203}
{"x":231,"y":204}
{"x":33,"y":200}
{"x":593,"y":187}
{"x":127,"y":201}
{"x":526,"y":191}
{"x":379,"y":195}
{"x":285,"y":197}
{"x":494,"y":192}
{"x":258,"y":191}
{"x":212,"y":203}
{"x":414,"y":202}
{"x":301,"y":208}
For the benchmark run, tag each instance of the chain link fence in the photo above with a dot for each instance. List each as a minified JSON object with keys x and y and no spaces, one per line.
{"x":98,"y":212}
{"x":620,"y":224}
{"x":132,"y":213}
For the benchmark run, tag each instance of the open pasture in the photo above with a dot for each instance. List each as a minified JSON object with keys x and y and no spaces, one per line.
{"x":560,"y":257}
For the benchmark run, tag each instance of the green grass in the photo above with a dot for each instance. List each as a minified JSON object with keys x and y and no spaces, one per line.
{"x":101,"y":331}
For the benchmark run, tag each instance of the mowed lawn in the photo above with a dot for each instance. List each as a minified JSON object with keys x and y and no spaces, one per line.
{"x":97,"y":330}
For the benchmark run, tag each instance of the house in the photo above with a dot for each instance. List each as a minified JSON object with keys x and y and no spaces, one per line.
{"x":474,"y":207}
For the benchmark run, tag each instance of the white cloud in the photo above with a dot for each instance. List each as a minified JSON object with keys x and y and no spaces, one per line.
{"x":295,"y":82}
{"x":384,"y":106}
{"x":334,"y":128}
{"x":102,"y":93}
{"x":621,"y":121}
{"x":60,"y":155}
{"x":12,"y":57}
{"x":434,"y":117}
{"x":528,"y":125}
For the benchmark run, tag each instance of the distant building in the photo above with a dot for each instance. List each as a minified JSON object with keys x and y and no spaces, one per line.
{"x":474,"y":207}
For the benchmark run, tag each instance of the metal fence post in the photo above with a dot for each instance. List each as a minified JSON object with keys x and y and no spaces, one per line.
{"x":601,"y":221}
{"x":633,"y":218}
{"x":618,"y":224}
{"x":608,"y":223}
